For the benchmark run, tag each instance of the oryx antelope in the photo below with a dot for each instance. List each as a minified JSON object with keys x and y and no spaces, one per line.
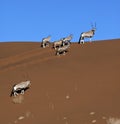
{"x":63,"y":49}
{"x":45,"y":42}
{"x":67,"y":40}
{"x":88,"y":34}
{"x":58,"y":44}
{"x":20,"y":88}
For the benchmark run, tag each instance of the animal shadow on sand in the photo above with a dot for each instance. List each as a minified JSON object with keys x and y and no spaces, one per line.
{"x":18,"y":99}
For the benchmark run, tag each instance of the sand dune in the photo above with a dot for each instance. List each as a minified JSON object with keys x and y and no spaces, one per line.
{"x":81,"y":87}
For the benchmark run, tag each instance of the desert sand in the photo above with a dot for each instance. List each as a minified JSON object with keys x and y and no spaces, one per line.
{"x":81,"y":87}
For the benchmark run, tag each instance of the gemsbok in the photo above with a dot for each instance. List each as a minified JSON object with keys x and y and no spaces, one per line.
{"x":58,"y":44}
{"x":20,"y":88}
{"x":67,"y":39}
{"x":63,"y":49}
{"x":45,"y":42}
{"x":88,"y":34}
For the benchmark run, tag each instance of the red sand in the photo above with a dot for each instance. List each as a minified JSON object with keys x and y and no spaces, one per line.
{"x":81,"y":87}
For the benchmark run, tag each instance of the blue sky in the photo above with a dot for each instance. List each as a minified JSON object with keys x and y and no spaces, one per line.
{"x":31,"y":20}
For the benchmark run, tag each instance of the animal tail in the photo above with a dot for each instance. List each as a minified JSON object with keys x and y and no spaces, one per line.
{"x":79,"y":40}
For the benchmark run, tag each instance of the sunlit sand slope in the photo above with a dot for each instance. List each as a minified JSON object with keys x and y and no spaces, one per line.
{"x":81,"y":87}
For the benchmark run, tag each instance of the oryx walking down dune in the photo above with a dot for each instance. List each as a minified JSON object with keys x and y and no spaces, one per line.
{"x":20,"y":88}
{"x":88,"y":34}
{"x":45,"y":42}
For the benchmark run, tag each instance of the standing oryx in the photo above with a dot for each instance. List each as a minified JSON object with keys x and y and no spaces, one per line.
{"x":67,"y":40}
{"x":88,"y":34}
{"x":45,"y":42}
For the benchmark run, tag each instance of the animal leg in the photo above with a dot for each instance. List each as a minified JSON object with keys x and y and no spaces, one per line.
{"x":90,"y":39}
{"x":58,"y":53}
{"x":15,"y":94}
{"x":43,"y":45}
{"x":54,"y":47}
{"x":47,"y":44}
{"x":22,"y":92}
{"x":82,"y":41}
{"x":64,"y":53}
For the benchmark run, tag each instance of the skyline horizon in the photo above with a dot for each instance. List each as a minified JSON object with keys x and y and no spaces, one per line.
{"x":33,"y":20}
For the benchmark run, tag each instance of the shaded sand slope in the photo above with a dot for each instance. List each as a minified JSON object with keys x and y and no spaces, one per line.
{"x":81,"y":87}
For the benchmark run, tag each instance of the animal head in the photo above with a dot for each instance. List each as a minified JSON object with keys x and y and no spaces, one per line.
{"x":29,"y":83}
